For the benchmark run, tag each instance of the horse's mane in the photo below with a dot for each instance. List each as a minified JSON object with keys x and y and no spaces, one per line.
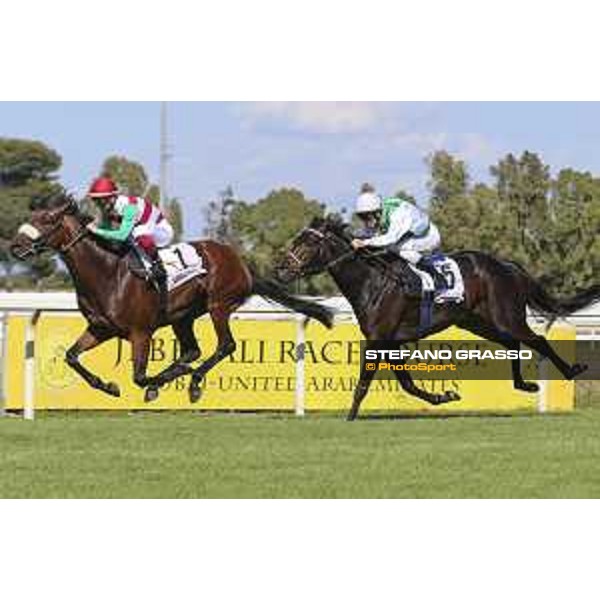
{"x":51,"y":200}
{"x":116,"y":248}
{"x":335,"y":224}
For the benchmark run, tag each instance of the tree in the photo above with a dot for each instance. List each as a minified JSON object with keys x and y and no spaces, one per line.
{"x":570,"y":241}
{"x":129,"y":175}
{"x":523,"y":185}
{"x":218,"y":217}
{"x":404,"y":195}
{"x":448,"y":176}
{"x":547,"y":225}
{"x":24,"y":161}
{"x":263,"y":229}
{"x":132,"y":179}
{"x":27,"y":176}
{"x":153,"y":194}
{"x":174,"y":212}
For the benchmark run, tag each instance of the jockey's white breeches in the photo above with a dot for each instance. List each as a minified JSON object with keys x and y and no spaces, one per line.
{"x":413,"y":248}
{"x":162,"y":233}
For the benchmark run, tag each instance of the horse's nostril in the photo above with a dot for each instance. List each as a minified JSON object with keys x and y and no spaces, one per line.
{"x":285,"y":275}
{"x":17,"y":251}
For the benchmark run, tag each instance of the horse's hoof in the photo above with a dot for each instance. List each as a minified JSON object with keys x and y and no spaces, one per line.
{"x":528,"y":386}
{"x":151,"y":394}
{"x":576,"y":369}
{"x":112,"y":389}
{"x":451,"y":396}
{"x":195,"y":394}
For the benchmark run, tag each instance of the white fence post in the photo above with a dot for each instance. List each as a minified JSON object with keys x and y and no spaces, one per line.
{"x":29,"y":400}
{"x":543,"y":383}
{"x":4,"y":365}
{"x":299,"y":407}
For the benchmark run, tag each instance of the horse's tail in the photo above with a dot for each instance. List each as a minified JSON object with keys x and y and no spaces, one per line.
{"x":551,"y":307}
{"x":274,"y":291}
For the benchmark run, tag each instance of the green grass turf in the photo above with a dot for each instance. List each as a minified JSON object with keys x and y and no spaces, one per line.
{"x":256,"y":456}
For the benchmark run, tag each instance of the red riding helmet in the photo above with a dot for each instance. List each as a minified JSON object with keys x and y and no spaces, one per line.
{"x":103,"y":187}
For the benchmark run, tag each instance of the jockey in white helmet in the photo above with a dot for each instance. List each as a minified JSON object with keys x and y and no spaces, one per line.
{"x":401,"y":226}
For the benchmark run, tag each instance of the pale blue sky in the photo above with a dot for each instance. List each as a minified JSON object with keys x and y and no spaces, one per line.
{"x":325,"y":148}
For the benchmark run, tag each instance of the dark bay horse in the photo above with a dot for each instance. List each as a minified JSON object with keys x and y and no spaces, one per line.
{"x":497,"y":294}
{"x":117,"y":303}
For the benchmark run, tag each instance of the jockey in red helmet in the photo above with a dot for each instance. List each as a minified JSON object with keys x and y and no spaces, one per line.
{"x":138,"y":220}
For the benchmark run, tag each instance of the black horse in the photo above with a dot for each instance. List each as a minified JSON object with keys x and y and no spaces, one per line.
{"x":497,"y":294}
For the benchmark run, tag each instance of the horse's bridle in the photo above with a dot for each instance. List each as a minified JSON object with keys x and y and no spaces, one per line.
{"x":351,"y":253}
{"x":332,"y":263}
{"x":40,"y":244}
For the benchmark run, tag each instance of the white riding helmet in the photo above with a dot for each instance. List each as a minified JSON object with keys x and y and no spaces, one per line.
{"x":368,"y":202}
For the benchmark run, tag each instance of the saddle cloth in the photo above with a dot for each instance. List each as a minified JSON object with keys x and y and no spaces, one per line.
{"x":182,"y":263}
{"x":450,"y":270}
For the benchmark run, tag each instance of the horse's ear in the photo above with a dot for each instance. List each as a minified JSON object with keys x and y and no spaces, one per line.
{"x":36,"y":204}
{"x":72,"y":205}
{"x":335,"y":220}
{"x":317,"y":222}
{"x":64,"y":205}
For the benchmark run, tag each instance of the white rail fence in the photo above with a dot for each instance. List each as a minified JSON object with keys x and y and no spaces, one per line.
{"x":33,"y":305}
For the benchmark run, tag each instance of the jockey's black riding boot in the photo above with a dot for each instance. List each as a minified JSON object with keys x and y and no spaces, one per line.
{"x":159,"y":274}
{"x":158,"y":271}
{"x":439,"y":280}
{"x":410,"y":280}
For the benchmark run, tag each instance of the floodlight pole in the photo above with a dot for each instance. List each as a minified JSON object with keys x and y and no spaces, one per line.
{"x":164,"y":154}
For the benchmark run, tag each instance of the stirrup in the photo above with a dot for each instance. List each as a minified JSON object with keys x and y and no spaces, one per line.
{"x":160,"y":281}
{"x":440,"y":284}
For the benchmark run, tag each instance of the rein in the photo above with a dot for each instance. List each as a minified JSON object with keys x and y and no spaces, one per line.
{"x":332,"y":263}
{"x":369,"y":256}
{"x":80,"y":235}
{"x":40,"y":245}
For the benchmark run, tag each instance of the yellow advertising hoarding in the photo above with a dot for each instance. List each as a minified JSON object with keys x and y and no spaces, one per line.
{"x":260,"y":376}
{"x":329,"y":384}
